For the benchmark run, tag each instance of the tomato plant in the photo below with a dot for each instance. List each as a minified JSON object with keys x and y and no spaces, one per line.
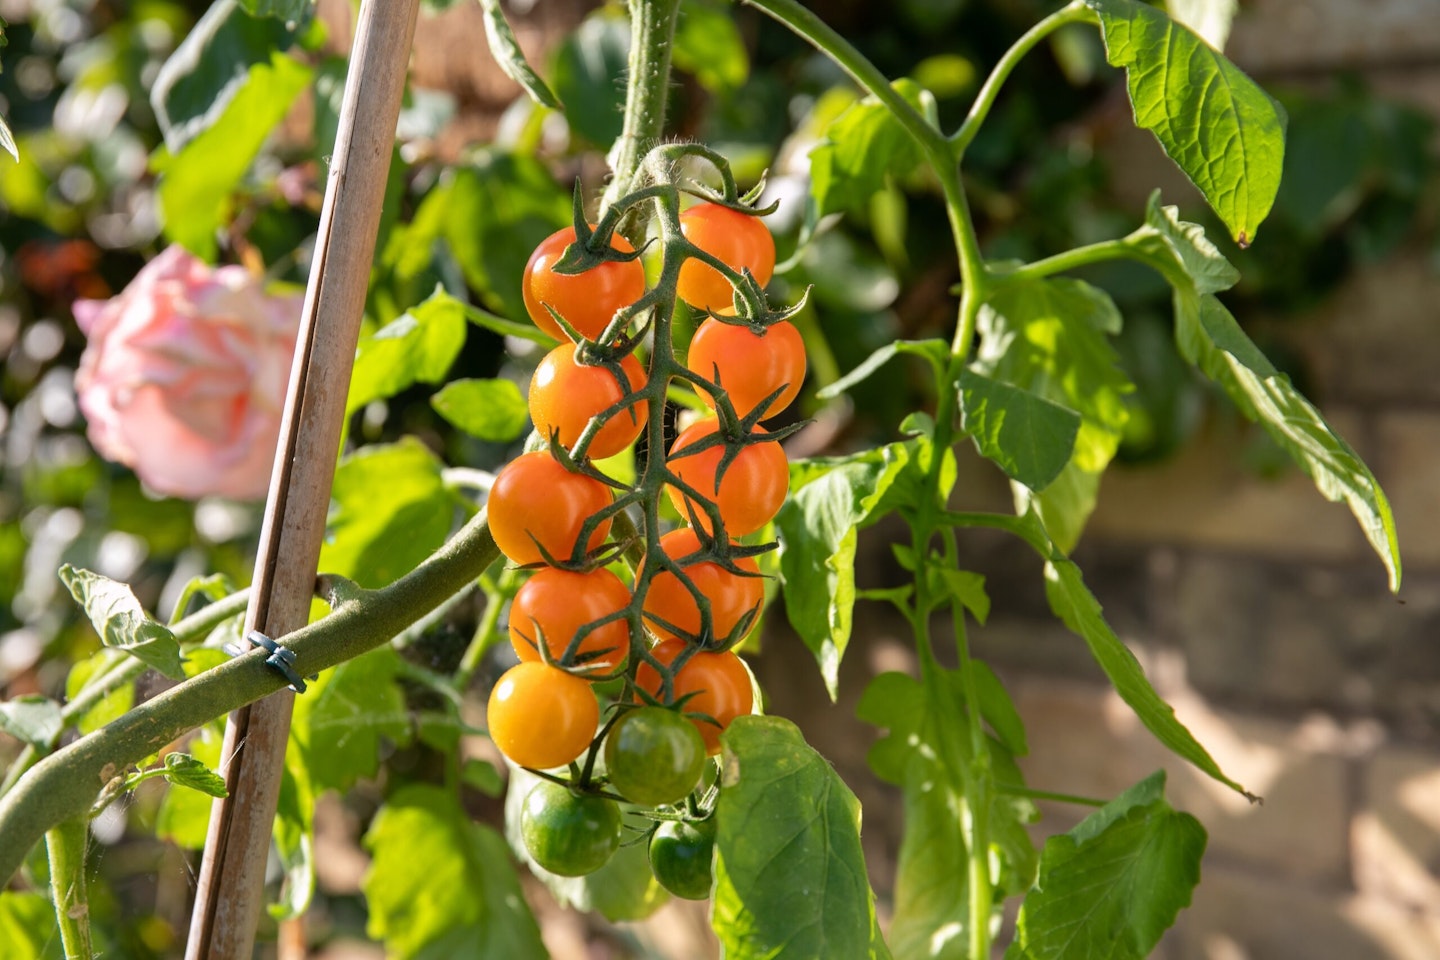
{"x":653,"y":756}
{"x":733,"y":595}
{"x":568,"y":833}
{"x":751,"y":366}
{"x":565,"y":395}
{"x":449,"y":518}
{"x":738,"y":239}
{"x":749,"y":491}
{"x":540,"y":716}
{"x":586,"y":300}
{"x":558,"y":605}
{"x":536,"y":503}
{"x":715,"y":686}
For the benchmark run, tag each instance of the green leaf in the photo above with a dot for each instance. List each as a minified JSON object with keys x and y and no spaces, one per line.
{"x":1210,"y":19}
{"x":924,"y":752}
{"x":287,"y":11}
{"x":935,"y":351}
{"x":1110,"y":887}
{"x":391,"y":512}
{"x":584,"y":74}
{"x":1027,"y":436}
{"x":440,"y":887}
{"x":33,"y":719}
{"x":1209,"y":337}
{"x":7,"y":141}
{"x":184,"y":770}
{"x":790,"y":876}
{"x":419,"y":346}
{"x":195,"y":86}
{"x":114,"y":704}
{"x":1049,"y":337}
{"x":121,"y":622}
{"x":817,"y":528}
{"x":492,"y":410}
{"x":28,"y":928}
{"x":184,"y":815}
{"x":1225,"y":132}
{"x":511,"y":59}
{"x":708,"y":45}
{"x":197,"y":182}
{"x":998,"y":710}
{"x":481,"y":775}
{"x":340,"y":722}
{"x":968,"y":588}
{"x":864,"y":149}
{"x":1077,"y":607}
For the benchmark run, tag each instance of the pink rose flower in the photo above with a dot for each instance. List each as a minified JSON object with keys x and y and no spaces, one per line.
{"x":183,"y":379}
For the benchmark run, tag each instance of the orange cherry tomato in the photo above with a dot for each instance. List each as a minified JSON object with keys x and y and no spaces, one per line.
{"x":749,"y":493}
{"x":749,"y":367}
{"x":556,"y":604}
{"x":536,"y":499}
{"x":564,"y":395}
{"x":540,"y":716}
{"x":731,"y":596}
{"x":586,"y":300}
{"x":720,"y":682}
{"x":737,"y":240}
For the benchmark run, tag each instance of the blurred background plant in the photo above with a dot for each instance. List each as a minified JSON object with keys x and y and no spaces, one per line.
{"x":117,"y":159}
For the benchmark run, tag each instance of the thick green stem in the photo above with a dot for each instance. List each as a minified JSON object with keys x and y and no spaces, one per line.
{"x":127,"y":669}
{"x":63,"y":785}
{"x":985,"y":99}
{"x":66,"y":847}
{"x":652,"y":29}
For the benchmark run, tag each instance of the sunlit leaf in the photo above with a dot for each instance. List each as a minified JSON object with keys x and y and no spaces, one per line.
{"x":419,"y":346}
{"x":491,"y":410}
{"x":1029,"y":437}
{"x":185,"y":770}
{"x":510,"y":58}
{"x":1225,"y":132}
{"x":815,"y":900}
{"x":33,"y":719}
{"x":121,"y":622}
{"x":1108,"y":889}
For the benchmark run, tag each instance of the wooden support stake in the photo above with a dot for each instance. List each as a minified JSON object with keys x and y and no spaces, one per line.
{"x":232,"y":873}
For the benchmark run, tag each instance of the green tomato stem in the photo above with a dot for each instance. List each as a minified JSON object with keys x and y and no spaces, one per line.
{"x":652,"y":30}
{"x":65,"y":844}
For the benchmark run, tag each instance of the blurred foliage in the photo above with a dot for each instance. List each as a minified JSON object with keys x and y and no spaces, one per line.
{"x":103,"y":182}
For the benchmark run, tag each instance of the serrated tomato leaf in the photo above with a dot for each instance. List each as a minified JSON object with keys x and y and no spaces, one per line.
{"x":511,"y":59}
{"x":1024,"y":434}
{"x":1111,"y":887}
{"x":1216,"y":123}
{"x":818,"y":531}
{"x":340,"y":722}
{"x":185,"y":770}
{"x":790,"y":877}
{"x":121,"y":622}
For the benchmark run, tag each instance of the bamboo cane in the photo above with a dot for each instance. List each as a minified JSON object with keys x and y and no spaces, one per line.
{"x":230,"y":885}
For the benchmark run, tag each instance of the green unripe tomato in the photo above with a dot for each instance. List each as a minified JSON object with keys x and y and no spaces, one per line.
{"x":680,"y":857}
{"x":569,"y":834}
{"x":654,"y":756}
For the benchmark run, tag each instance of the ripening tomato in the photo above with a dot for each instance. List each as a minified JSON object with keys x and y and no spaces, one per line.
{"x":556,"y":604}
{"x":749,"y":493}
{"x":536,"y":499}
{"x":719,"y":681}
{"x":738,"y":240}
{"x":568,"y":833}
{"x":731,"y":596}
{"x":681,"y":854}
{"x":653,"y":756}
{"x":564,"y":395}
{"x":749,"y":366}
{"x":540,"y":716}
{"x":586,"y":300}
